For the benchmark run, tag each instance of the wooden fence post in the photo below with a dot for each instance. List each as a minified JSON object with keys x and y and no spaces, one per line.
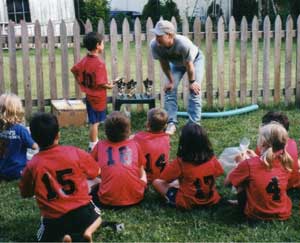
{"x":243,"y":61}
{"x":88,"y":26}
{"x":288,"y":60}
{"x":138,"y":58}
{"x":52,"y":60}
{"x":209,"y":62}
{"x":220,"y":60}
{"x":12,"y":57}
{"x":150,"y":61}
{"x":39,"y":66}
{"x":76,"y":53}
{"x":26,"y":70}
{"x":298,"y":65}
{"x":277,"y":59}
{"x":197,"y":32}
{"x":2,"y":81}
{"x":185,"y":83}
{"x":64,"y":60}
{"x":101,"y":30}
{"x":114,"y":54}
{"x":254,"y":71}
{"x":266,"y":65}
{"x":232,"y":74}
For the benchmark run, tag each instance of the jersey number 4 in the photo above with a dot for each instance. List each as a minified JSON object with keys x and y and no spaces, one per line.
{"x":159,"y":163}
{"x":273,"y":188}
{"x":68,"y":186}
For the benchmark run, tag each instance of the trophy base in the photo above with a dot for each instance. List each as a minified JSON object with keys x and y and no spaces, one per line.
{"x":135,"y":99}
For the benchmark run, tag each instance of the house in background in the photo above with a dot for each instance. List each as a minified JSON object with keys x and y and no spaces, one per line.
{"x":32,"y":10}
{"x":189,"y":8}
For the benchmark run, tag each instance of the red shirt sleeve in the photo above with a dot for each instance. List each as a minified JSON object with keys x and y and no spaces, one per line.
{"x":26,"y":185}
{"x":88,"y":164}
{"x":172,"y":171}
{"x":240,"y":174}
{"x":218,"y":168}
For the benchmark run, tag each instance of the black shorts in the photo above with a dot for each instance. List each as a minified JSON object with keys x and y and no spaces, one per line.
{"x":73,"y":223}
{"x":171,"y":196}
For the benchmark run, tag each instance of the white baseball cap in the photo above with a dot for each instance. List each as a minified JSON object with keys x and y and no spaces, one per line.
{"x":163,"y":27}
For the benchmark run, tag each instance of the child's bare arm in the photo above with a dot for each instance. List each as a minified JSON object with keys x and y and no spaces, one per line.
{"x":105,"y":86}
{"x":143,"y":174}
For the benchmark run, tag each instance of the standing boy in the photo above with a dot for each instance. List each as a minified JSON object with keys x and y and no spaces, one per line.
{"x":91,"y":75}
{"x":57,"y":176}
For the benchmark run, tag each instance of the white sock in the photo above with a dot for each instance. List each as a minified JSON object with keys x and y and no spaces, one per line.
{"x":92,"y":144}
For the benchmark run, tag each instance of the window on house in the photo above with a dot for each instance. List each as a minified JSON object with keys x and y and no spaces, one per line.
{"x":18,"y":10}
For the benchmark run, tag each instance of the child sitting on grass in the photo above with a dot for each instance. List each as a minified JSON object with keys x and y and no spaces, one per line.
{"x":155,"y":143}
{"x":291,"y":145}
{"x":90,"y":73}
{"x":123,"y":178}
{"x":15,"y":138}
{"x":196,"y":167}
{"x":57,"y":177}
{"x":262,"y":180}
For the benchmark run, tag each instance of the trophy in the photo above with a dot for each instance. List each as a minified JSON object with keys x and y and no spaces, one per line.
{"x":148,"y":87}
{"x":120,"y":85}
{"x":131,"y":88}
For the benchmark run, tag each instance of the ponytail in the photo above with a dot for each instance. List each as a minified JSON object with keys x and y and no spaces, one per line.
{"x":285,"y":159}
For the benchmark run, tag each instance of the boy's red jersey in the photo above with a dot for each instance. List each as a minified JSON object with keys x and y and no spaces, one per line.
{"x":265,"y":188}
{"x":120,"y":165}
{"x":156,"y":148}
{"x":292,"y":149}
{"x":90,"y":72}
{"x":58,"y":179}
{"x":196,"y":182}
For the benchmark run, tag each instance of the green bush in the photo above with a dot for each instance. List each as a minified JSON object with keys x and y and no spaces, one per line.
{"x":94,"y":10}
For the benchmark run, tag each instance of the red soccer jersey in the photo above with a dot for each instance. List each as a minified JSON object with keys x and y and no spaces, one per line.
{"x":156,"y":148}
{"x":91,"y":72}
{"x":58,"y":178}
{"x":120,"y":165}
{"x":291,"y":148}
{"x":196,"y":182}
{"x":265,"y":188}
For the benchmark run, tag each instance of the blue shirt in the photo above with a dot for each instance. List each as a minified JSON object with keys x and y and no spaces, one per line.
{"x":12,"y":162}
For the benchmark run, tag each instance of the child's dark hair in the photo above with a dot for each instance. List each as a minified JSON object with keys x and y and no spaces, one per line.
{"x":117,"y":127}
{"x":44,"y":128}
{"x":157,"y":119}
{"x":278,"y":117}
{"x":91,"y":40}
{"x":194,"y":146}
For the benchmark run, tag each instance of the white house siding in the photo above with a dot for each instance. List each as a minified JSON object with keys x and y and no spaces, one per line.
{"x":3,"y":12}
{"x":43,"y":11}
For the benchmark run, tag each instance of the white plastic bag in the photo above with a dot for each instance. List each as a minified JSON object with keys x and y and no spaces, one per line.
{"x":228,"y":156}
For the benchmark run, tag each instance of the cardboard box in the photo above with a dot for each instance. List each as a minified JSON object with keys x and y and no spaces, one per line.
{"x":69,"y":112}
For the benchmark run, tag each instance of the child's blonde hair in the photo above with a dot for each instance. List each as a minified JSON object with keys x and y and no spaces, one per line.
{"x":272,"y":139}
{"x":11,"y":110}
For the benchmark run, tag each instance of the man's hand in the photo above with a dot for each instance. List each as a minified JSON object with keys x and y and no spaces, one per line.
{"x":169,"y":86}
{"x":195,"y":87}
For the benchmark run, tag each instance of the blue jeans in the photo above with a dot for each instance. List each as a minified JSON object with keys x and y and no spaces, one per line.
{"x":194,"y":101}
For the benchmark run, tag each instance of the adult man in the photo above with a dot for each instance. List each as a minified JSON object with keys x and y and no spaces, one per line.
{"x":177,"y":55}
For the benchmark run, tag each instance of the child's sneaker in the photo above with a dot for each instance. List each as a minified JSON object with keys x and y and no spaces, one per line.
{"x":171,"y":128}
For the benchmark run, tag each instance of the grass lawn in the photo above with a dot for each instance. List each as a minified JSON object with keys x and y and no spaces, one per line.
{"x":152,"y":221}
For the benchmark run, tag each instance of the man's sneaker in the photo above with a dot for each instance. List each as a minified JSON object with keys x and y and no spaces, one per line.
{"x":171,"y":128}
